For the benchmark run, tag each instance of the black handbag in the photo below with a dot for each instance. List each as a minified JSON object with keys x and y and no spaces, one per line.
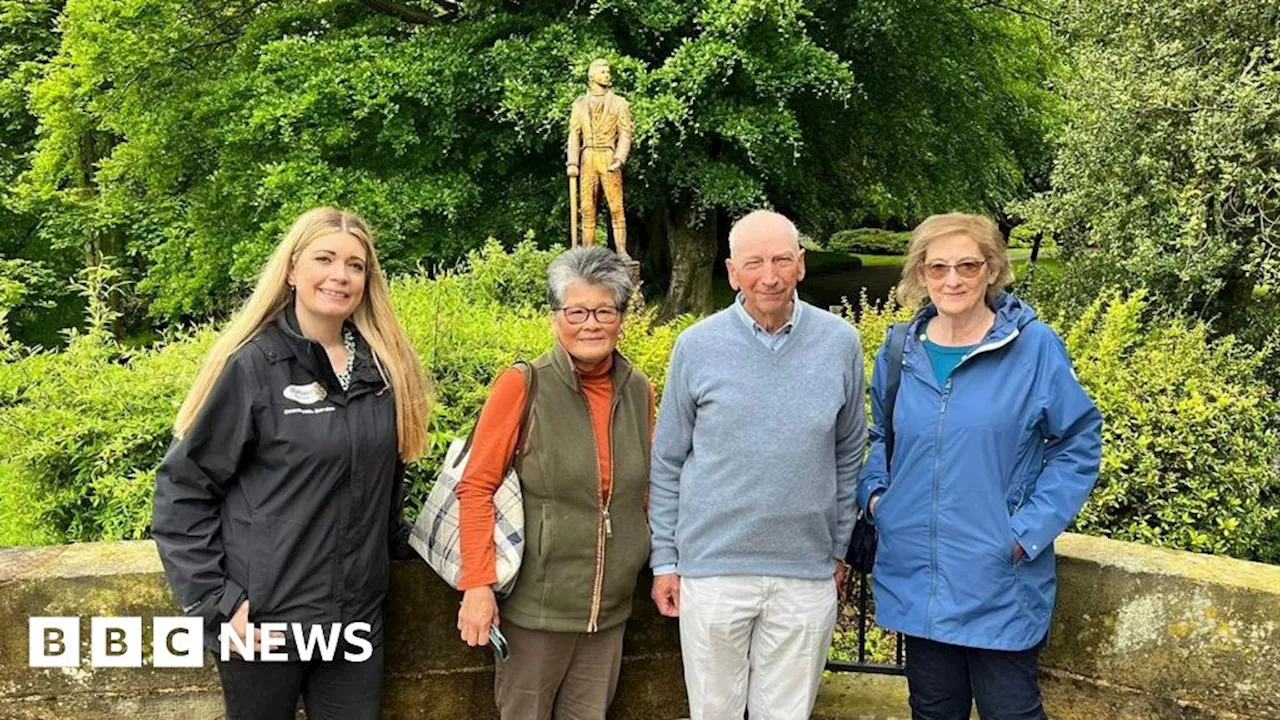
{"x":862,"y":547}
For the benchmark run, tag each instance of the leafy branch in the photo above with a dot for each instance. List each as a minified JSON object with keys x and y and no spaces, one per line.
{"x":1017,"y":9}
{"x":416,"y":15}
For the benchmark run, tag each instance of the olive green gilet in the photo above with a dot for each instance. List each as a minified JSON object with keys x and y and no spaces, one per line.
{"x":579,"y":571}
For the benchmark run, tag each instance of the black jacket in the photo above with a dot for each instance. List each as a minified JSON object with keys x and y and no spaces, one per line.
{"x":286,"y":490}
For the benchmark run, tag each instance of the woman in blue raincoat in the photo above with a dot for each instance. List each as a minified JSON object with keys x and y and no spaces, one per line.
{"x":995,"y":449}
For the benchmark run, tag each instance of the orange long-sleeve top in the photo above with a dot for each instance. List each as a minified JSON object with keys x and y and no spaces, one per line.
{"x":496,"y":434}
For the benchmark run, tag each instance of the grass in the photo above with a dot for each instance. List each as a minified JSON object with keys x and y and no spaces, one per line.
{"x":1043,"y":263}
{"x":819,"y":262}
{"x":880,"y":260}
{"x":1019,"y":256}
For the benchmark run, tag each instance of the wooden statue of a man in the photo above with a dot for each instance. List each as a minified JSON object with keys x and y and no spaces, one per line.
{"x":599,"y":140}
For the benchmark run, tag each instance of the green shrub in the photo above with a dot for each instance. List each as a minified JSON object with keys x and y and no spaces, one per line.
{"x":1190,"y":438}
{"x":869,"y":241}
{"x":516,"y":278}
{"x":873,"y":320}
{"x":85,"y":429}
{"x":27,"y":291}
{"x":1066,"y":291}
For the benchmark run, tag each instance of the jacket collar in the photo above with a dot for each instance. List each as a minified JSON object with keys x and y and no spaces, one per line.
{"x":562,"y":366}
{"x":1012,"y":314}
{"x":281,"y":340}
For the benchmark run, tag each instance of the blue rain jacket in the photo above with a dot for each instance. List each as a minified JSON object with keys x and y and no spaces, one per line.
{"x":1008,"y":449}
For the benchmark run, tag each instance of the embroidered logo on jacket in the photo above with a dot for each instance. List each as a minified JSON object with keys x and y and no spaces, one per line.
{"x":305,"y":394}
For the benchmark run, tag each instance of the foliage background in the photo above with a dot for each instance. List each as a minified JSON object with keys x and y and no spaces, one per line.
{"x":176,"y":139}
{"x":1168,"y":160}
{"x":1189,"y":438}
{"x":152,"y":151}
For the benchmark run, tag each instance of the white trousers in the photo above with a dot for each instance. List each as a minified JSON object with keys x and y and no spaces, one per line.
{"x":754,"y":642}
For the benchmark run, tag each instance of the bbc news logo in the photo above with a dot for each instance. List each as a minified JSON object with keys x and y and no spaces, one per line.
{"x":176,"y":642}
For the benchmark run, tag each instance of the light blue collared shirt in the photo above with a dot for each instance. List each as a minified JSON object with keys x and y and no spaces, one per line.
{"x":774,"y":341}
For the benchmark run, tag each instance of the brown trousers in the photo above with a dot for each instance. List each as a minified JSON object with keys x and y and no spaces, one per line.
{"x":560,"y":675}
{"x":593,"y":175}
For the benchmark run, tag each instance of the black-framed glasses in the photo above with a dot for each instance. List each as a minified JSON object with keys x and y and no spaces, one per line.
{"x":604,"y":315}
{"x":965,"y":269}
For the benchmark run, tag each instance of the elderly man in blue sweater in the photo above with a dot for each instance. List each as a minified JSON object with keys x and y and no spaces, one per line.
{"x":755,"y":467}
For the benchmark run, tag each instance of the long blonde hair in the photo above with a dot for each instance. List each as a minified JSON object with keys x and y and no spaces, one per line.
{"x":373,"y":317}
{"x":912,"y":291}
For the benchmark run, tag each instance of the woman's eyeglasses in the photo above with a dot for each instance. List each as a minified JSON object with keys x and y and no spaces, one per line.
{"x":967,"y":269}
{"x":579,"y":315}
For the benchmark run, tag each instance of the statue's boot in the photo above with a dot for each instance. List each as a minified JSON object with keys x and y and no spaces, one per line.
{"x":620,"y":238}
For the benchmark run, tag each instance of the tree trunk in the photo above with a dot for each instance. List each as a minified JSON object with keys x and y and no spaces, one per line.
{"x":653,"y":253}
{"x":101,"y":247}
{"x":692,"y":239}
{"x":1006,"y":225}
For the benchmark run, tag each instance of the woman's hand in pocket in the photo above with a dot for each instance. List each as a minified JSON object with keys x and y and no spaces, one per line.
{"x":240,"y":621}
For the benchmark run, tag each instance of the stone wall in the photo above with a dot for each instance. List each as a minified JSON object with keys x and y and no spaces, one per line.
{"x":1143,"y":632}
{"x":1139,"y":632}
{"x":430,"y":674}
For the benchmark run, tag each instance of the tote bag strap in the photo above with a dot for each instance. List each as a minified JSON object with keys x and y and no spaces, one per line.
{"x":531,"y":391}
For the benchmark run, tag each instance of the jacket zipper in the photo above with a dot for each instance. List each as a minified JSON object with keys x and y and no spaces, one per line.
{"x":933,"y":515}
{"x":937,"y":466}
{"x":990,"y":347}
{"x":604,"y":524}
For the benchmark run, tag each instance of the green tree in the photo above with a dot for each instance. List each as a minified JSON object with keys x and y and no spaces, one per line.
{"x":180,"y":137}
{"x":1169,"y":162}
{"x":27,"y":41}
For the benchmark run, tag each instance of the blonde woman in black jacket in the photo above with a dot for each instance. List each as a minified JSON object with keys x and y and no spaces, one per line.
{"x":280,"y":498}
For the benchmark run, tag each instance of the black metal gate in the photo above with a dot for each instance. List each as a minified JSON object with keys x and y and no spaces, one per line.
{"x":860,"y":646}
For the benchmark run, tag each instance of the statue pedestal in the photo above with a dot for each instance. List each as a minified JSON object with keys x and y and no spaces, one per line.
{"x":637,"y":297}
{"x":633,"y":269}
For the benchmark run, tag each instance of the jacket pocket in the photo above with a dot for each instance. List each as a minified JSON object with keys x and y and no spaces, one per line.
{"x":261,"y":542}
{"x":878,"y":515}
{"x":1012,"y":540}
{"x":540,"y":540}
{"x":543,"y":522}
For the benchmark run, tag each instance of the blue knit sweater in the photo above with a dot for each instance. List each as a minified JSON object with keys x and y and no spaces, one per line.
{"x":757,"y":452}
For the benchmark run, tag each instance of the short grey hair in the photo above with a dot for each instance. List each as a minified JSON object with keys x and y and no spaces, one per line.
{"x":733,"y":231}
{"x":590,"y":265}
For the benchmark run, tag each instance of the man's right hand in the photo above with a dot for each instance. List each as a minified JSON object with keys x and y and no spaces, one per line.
{"x":572,"y":170}
{"x":666,"y":594}
{"x":871,"y":504}
{"x":479,"y":610}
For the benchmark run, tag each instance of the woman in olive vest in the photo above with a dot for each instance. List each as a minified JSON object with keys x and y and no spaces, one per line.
{"x":583,"y":470}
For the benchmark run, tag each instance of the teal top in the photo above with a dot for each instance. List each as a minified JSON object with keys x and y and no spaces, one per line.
{"x":944,"y":359}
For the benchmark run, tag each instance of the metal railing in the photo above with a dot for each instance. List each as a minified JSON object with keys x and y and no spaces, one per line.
{"x":867,"y":659}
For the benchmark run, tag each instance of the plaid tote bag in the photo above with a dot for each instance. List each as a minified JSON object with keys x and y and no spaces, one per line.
{"x":435,"y":535}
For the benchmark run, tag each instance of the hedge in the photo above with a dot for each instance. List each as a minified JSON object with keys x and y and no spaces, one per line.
{"x":870,"y":241}
{"x":1190,"y":433}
